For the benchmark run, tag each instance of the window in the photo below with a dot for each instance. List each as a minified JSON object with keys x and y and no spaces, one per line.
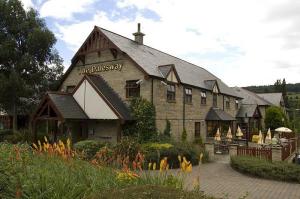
{"x":227,"y":102}
{"x":188,"y":95}
{"x":171,"y":92}
{"x":70,"y":89}
{"x":203,"y":97}
{"x":132,"y":89}
{"x":197,"y":129}
{"x":236,"y":104}
{"x":215,"y":100}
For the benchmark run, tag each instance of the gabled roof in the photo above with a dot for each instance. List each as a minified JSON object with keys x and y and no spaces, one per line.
{"x":250,"y":97}
{"x":149,"y":59}
{"x":273,"y":98}
{"x":67,"y":106}
{"x":248,"y":110}
{"x":217,"y":114}
{"x":110,"y":96}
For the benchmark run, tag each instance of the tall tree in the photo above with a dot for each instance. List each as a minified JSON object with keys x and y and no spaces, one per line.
{"x":278,"y":86}
{"x":29,"y":63}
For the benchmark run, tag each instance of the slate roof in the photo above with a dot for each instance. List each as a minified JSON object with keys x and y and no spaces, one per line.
{"x":273,"y":98}
{"x":149,"y":59}
{"x":217,"y":114}
{"x":165,"y":70}
{"x":112,"y":97}
{"x":250,"y":97}
{"x":67,"y":106}
{"x":248,"y":109}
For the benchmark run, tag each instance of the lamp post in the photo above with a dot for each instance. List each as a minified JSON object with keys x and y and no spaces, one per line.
{"x":247,"y":129}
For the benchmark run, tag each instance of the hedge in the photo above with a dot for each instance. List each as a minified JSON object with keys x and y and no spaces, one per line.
{"x":89,"y":147}
{"x":265,"y":169}
{"x":154,"y":152}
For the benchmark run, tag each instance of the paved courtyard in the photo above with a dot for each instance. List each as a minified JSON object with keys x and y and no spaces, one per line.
{"x":220,"y":180}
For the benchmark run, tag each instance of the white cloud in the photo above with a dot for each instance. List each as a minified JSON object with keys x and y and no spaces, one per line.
{"x":64,"y":9}
{"x":242,"y":25}
{"x":27,"y":4}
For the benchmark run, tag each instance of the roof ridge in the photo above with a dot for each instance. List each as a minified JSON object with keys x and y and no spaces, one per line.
{"x":159,"y":51}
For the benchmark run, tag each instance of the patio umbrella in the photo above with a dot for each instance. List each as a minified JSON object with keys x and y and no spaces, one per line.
{"x":239,"y":132}
{"x":229,"y":135}
{"x":218,"y":135}
{"x":269,"y":137}
{"x":283,"y":129}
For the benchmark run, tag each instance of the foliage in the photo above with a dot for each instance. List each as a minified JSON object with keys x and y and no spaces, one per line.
{"x":275,"y":118}
{"x":198,"y":141}
{"x":183,"y":135}
{"x":29,"y":63}
{"x":144,"y":127}
{"x":127,"y":147}
{"x":150,"y":191}
{"x":167,"y":131}
{"x":265,"y":169}
{"x":89,"y":147}
{"x":155,"y":152}
{"x":28,"y":174}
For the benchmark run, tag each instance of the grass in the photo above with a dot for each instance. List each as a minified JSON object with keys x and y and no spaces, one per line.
{"x":265,"y":169}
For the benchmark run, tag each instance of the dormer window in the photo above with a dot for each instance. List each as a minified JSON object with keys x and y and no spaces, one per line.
{"x":188,"y":95}
{"x":171,"y":93}
{"x":236,"y":104}
{"x":227,"y":102}
{"x":215,"y":100}
{"x":203,"y":97}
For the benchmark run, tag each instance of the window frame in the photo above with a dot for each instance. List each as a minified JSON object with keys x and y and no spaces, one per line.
{"x":227,"y":102}
{"x":132,"y":87}
{"x":197,"y":129}
{"x":236,"y":104}
{"x":188,"y":95}
{"x":215,"y":100}
{"x":171,"y":93}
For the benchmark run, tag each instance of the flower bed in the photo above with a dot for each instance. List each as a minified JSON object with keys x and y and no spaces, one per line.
{"x":265,"y":169}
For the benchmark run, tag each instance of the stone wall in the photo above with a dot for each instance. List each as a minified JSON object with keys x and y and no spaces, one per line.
{"x":173,"y":111}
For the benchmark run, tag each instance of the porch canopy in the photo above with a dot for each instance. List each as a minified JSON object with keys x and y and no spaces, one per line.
{"x":92,"y":99}
{"x":217,"y":118}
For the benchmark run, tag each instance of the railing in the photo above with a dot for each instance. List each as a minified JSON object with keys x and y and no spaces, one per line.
{"x":288,"y":149}
{"x":262,"y":153}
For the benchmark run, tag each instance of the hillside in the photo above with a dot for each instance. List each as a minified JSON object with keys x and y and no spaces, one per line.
{"x":290,"y":88}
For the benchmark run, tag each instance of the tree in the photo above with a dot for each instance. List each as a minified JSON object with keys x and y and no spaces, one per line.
{"x":29,"y":63}
{"x":144,"y":125}
{"x":275,"y":118}
{"x":278,"y":86}
{"x":167,"y":131}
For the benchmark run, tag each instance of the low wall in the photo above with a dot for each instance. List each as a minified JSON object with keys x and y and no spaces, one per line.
{"x":210,"y":149}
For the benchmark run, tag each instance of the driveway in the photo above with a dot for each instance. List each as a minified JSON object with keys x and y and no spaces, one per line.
{"x":220,"y":180}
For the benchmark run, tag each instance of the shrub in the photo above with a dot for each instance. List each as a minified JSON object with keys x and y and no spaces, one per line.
{"x":89,"y":147}
{"x":265,"y":169}
{"x":144,"y":127}
{"x":127,"y":147}
{"x":154,"y":152}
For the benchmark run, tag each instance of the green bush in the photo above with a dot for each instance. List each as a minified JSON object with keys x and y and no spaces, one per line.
{"x":154,"y":152}
{"x":89,"y":147}
{"x":127,"y":147}
{"x":183,"y":135}
{"x":265,"y":169}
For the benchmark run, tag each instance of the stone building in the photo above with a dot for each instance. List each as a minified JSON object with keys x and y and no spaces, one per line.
{"x":109,"y":70}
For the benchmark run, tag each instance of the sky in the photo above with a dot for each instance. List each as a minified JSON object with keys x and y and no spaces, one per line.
{"x":243,"y":42}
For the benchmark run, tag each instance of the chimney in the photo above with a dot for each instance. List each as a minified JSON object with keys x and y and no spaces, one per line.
{"x":138,"y":36}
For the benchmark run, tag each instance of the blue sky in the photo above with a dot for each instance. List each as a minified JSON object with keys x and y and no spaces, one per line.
{"x":247,"y":42}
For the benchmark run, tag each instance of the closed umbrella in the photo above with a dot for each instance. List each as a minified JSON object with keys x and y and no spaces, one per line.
{"x":229,"y":135}
{"x":239,"y":132}
{"x":218,"y":135}
{"x":269,"y":137}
